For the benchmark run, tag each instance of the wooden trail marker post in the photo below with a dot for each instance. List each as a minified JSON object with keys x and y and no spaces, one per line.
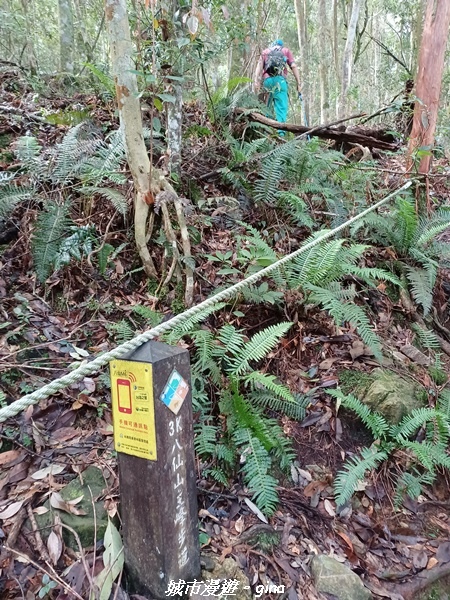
{"x":153,"y":435}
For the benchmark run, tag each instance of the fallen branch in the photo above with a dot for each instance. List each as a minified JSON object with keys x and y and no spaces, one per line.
{"x":322,"y":131}
{"x":426,"y":578}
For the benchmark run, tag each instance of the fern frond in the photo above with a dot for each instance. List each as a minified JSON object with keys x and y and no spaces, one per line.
{"x":256,"y":471}
{"x":257,"y":348}
{"x":27,"y":151}
{"x":429,"y":455}
{"x":371,"y":275}
{"x":294,"y":410}
{"x":406,"y":222}
{"x":256,"y":380}
{"x":427,"y":338}
{"x":352,"y":313}
{"x":51,"y":226}
{"x":374,"y":421}
{"x":443,"y":403}
{"x":231,"y":342}
{"x":188,"y":325}
{"x":354,"y":471}
{"x":410,"y":484}
{"x":10,"y":196}
{"x":422,"y":284}
{"x":116,"y":198}
{"x":122,"y":331}
{"x":205,"y":440}
{"x":217,"y":474}
{"x":261,"y":294}
{"x":411,"y":423}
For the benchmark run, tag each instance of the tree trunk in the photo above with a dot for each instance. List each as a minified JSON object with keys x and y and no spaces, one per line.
{"x":324,"y":62}
{"x":150,"y":184}
{"x":29,"y":51}
{"x":174,"y":122}
{"x":66,"y":37}
{"x":347,"y":59}
{"x":122,"y":51}
{"x":301,"y":8}
{"x":429,"y":80}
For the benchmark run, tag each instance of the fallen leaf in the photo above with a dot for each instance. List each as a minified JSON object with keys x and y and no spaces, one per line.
{"x":314,"y":487}
{"x":41,"y":510}
{"x":54,"y":545}
{"x":432,"y":563}
{"x":327,"y":363}
{"x":11,"y":510}
{"x":329,"y":508}
{"x":58,"y":502}
{"x":420,"y":559}
{"x":52,"y":469}
{"x":357,"y":349}
{"x":8,"y":457}
{"x":255,"y":510}
{"x":239,"y":525}
{"x":443,"y":552}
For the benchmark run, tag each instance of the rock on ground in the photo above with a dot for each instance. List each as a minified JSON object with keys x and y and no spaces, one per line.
{"x":332,"y":577}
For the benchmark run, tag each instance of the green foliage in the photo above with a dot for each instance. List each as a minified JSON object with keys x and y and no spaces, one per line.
{"x":425,"y":456}
{"x":427,"y":338}
{"x":223,"y":376}
{"x":122,"y":331}
{"x":51,"y":228}
{"x":81,"y":165}
{"x":414,"y":238}
{"x":106,"y":81}
{"x":354,"y":471}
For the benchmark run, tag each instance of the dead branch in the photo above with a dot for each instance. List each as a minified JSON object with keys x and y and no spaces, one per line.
{"x":322,"y":131}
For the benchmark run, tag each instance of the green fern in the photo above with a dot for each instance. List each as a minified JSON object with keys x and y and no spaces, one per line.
{"x":116,"y":198}
{"x":51,"y":227}
{"x":256,"y":470}
{"x":150,"y":316}
{"x":443,"y":404}
{"x":122,"y":331}
{"x":105,"y":80}
{"x":354,"y":471}
{"x":189,"y":324}
{"x":427,"y":338}
{"x":256,"y":380}
{"x":11,"y":195}
{"x":351,"y":313}
{"x":28,"y":151}
{"x":295,"y":409}
{"x":412,"y":422}
{"x":374,"y":421}
{"x":422,"y":283}
{"x":257,"y":348}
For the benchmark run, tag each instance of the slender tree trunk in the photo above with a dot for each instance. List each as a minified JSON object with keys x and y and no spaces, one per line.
{"x":131,"y":122}
{"x":301,"y":12}
{"x":324,"y":62}
{"x":29,"y":51}
{"x":150,"y":184}
{"x":66,"y":36}
{"x":336,"y":62}
{"x":347,"y":59}
{"x":429,"y":79}
{"x":174,"y":123}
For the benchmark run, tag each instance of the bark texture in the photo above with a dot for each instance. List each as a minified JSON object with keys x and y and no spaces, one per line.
{"x":121,"y":50}
{"x":66,"y":36}
{"x":347,"y":59}
{"x":429,"y":80}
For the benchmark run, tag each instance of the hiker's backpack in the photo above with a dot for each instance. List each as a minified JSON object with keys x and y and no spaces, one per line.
{"x":275,"y":62}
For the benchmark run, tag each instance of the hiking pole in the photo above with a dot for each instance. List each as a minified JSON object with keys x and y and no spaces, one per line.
{"x":305,"y":120}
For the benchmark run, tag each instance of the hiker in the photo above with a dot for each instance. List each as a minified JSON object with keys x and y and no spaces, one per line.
{"x":272,"y":66}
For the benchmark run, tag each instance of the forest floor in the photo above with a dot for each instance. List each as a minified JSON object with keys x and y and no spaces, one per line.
{"x":47,"y":332}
